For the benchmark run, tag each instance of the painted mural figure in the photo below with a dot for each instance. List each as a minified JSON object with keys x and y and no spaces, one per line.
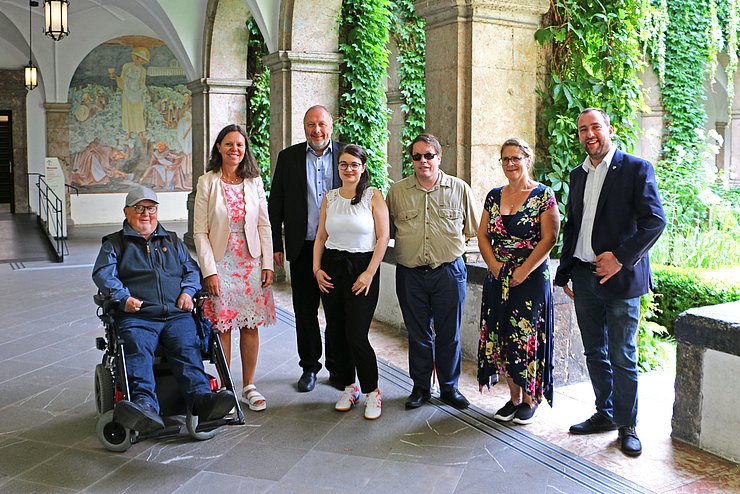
{"x":166,"y":170}
{"x":132,"y":83}
{"x":97,"y":164}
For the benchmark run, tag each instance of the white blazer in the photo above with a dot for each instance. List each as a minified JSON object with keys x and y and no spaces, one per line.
{"x":211,"y":222}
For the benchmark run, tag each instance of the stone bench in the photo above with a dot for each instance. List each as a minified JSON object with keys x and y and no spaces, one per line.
{"x":708,"y":379}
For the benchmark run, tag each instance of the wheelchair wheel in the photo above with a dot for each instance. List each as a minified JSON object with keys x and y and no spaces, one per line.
{"x":112,"y":435}
{"x":191,"y":422}
{"x":105,"y":395}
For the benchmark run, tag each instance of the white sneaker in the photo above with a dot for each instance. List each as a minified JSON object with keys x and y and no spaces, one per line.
{"x":372,"y":405}
{"x":348,"y":398}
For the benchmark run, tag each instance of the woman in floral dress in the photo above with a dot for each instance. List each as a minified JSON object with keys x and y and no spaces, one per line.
{"x":234,"y":244}
{"x":518,"y":228}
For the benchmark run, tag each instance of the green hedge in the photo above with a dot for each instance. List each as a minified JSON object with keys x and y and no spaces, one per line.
{"x":679,"y":289}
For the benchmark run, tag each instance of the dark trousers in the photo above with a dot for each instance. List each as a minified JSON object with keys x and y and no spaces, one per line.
{"x":438,"y":295}
{"x":348,"y":318}
{"x":181,"y":346}
{"x":609,"y":333}
{"x":306,"y":298}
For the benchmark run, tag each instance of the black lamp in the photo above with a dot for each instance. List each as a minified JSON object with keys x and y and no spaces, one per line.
{"x":55,"y":19}
{"x":30,"y":73}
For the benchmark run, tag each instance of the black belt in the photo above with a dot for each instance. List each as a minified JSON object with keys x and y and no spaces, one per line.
{"x":428,"y":267}
{"x":586,"y":265}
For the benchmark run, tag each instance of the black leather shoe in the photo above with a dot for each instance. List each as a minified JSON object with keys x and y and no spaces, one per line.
{"x":214,"y":406}
{"x":417,"y":398}
{"x":455,"y":399}
{"x":629,"y":443}
{"x":307,"y":381}
{"x":139,"y":416}
{"x":595,"y":423}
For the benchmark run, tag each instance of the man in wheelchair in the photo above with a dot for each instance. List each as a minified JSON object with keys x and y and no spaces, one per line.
{"x":150,"y":273}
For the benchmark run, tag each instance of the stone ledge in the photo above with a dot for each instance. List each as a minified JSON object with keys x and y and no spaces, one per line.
{"x":716,"y":327}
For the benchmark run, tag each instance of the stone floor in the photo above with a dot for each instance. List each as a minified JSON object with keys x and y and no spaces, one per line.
{"x":300,"y":444}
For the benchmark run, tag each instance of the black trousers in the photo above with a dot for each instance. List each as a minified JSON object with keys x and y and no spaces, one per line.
{"x":306,"y":298}
{"x":348,"y":318}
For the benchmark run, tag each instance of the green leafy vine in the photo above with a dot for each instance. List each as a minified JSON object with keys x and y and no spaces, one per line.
{"x":258,"y":107}
{"x":363,"y":112}
{"x":407,"y":30}
{"x":594,"y":62}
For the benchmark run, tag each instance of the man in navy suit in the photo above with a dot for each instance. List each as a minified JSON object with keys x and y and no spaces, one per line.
{"x":614,"y":215}
{"x":304,"y":173}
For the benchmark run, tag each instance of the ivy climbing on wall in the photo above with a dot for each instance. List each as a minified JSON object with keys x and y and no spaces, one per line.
{"x":407,"y":30}
{"x":363,"y":111}
{"x":594,"y":62}
{"x":258,"y":107}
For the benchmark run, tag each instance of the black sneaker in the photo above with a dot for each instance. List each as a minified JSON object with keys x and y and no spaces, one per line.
{"x":137,"y":415}
{"x":214,"y":406}
{"x":524,"y":414}
{"x":629,"y":443}
{"x":595,"y":423}
{"x":506,"y":413}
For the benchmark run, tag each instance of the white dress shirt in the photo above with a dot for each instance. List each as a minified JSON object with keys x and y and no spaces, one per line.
{"x":594,"y":181}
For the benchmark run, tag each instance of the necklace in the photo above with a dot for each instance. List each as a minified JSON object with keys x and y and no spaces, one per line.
{"x":231,"y":181}
{"x":515,"y":196}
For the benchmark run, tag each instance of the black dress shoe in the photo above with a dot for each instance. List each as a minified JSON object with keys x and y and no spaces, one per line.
{"x":214,"y":406}
{"x":596,"y":423}
{"x":417,"y":398}
{"x":137,"y":415}
{"x":307,"y":381}
{"x":629,"y":443}
{"x":455,"y":399}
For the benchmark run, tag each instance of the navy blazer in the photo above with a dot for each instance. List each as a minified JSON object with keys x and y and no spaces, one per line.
{"x":287,"y":203}
{"x":629,"y":219}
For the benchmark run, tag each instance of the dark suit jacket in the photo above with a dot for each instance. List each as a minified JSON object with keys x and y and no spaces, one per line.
{"x":629,"y":219}
{"x":287,"y":204}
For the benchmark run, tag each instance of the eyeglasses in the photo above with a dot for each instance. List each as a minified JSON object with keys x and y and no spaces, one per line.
{"x":427,"y":156}
{"x":512,"y":159}
{"x":343,"y":165}
{"x":141,"y":209}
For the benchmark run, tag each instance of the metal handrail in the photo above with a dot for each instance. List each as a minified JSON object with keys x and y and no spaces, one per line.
{"x":50,"y":209}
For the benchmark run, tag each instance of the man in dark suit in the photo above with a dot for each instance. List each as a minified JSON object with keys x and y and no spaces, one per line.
{"x":303,"y":174}
{"x":614,"y":215}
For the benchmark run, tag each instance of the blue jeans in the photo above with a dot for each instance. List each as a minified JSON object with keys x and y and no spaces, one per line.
{"x":608,"y":330}
{"x":433,"y":295}
{"x":181,"y":347}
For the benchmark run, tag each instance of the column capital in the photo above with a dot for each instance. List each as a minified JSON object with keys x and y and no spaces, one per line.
{"x":301,"y":61}
{"x":212,"y":85}
{"x":505,"y":12}
{"x":57,"y":107}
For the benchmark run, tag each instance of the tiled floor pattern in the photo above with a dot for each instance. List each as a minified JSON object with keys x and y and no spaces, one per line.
{"x":300,"y":444}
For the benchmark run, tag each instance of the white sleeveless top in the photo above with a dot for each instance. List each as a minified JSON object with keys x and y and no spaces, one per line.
{"x":350,"y":227}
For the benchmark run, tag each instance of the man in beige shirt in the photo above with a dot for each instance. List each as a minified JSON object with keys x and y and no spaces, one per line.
{"x":432,"y":215}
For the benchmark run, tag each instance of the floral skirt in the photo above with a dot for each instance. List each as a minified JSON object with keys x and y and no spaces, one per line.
{"x":243,"y":303}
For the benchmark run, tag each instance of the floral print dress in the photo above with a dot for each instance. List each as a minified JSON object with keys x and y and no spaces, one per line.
{"x":517,"y":323}
{"x":243,"y":302}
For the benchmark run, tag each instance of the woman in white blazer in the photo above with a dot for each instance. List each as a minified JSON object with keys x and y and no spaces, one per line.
{"x":234,"y":244}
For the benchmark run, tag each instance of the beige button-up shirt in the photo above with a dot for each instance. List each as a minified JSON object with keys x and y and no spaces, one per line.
{"x":431,"y":226}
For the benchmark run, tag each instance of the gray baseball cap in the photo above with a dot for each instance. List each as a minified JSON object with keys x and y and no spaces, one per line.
{"x":140,"y":194}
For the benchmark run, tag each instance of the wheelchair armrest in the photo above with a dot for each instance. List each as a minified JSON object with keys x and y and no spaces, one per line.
{"x":105,"y":302}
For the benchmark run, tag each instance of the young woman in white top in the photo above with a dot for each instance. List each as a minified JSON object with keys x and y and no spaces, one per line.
{"x":350,"y":244}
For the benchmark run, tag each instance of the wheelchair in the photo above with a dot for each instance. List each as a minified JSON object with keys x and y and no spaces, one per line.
{"x":111,"y":383}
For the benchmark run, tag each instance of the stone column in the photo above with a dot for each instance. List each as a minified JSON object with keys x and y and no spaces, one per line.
{"x":299,"y":80}
{"x":481,"y":76}
{"x":215,"y":104}
{"x":57,"y":142}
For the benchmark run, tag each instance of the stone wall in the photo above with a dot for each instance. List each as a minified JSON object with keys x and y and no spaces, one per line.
{"x":569,"y":361}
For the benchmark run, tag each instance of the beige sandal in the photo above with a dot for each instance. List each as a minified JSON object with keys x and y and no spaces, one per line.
{"x":253,"y":398}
